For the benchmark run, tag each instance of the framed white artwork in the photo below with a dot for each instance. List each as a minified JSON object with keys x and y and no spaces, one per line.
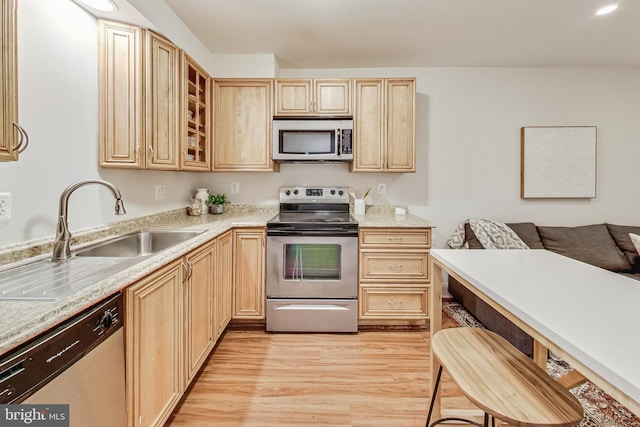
{"x":558,"y":162}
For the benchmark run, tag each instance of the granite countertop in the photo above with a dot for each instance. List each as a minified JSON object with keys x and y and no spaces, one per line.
{"x":387,"y":219}
{"x":23,"y":320}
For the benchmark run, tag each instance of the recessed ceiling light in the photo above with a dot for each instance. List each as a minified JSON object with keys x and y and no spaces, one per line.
{"x":606,"y":9}
{"x":103,"y":5}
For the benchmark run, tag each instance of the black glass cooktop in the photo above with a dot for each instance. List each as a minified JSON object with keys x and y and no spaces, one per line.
{"x":312,"y":221}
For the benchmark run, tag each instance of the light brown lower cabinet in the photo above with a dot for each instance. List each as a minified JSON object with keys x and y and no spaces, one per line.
{"x":393,"y":276}
{"x":170,"y":331}
{"x":249,"y":274}
{"x":175,"y":315}
{"x":153,"y":331}
{"x":394,"y":302}
{"x":224,"y":280}
{"x":199,"y":289}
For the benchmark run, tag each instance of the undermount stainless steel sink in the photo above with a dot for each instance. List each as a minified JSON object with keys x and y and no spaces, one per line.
{"x":139,"y":243}
{"x":48,"y":280}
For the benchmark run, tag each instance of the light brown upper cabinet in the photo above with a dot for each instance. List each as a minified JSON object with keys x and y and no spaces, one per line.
{"x":136,"y":65}
{"x":384,"y":125}
{"x":10,"y":134}
{"x":242,"y":125}
{"x":313,"y":97}
{"x":195,"y":115}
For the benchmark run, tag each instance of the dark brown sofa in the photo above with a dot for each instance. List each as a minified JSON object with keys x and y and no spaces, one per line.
{"x":604,"y":245}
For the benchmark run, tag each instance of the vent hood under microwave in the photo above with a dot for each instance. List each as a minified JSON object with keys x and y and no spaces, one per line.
{"x":312,"y":140}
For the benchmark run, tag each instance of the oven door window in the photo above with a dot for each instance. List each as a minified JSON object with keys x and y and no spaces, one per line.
{"x":312,"y":261}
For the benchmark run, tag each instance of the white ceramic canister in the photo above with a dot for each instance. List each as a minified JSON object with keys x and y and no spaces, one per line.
{"x":203,"y":195}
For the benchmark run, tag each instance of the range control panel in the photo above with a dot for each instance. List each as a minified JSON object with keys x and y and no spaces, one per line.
{"x":314,"y":195}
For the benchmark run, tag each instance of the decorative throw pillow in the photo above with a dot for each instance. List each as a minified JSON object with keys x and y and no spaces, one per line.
{"x":528,"y":232}
{"x":636,"y":241}
{"x":620,"y":234}
{"x":589,"y":243}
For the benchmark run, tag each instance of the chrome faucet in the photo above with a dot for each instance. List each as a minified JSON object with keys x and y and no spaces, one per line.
{"x":61,"y":248}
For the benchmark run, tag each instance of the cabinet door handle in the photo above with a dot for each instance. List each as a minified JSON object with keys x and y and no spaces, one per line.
{"x":24,"y":138}
{"x":188,"y":269}
{"x":395,"y":266}
{"x":395,"y":239}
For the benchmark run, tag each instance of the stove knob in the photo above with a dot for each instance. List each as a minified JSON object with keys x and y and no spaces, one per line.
{"x":107,"y":320}
{"x":340,"y":192}
{"x":295,"y":192}
{"x":288,"y":192}
{"x":333,"y":192}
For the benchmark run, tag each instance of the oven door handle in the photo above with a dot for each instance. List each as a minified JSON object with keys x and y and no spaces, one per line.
{"x":330,"y":232}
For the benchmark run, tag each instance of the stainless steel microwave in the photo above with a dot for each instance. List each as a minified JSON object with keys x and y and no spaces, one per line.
{"x":304,"y":140}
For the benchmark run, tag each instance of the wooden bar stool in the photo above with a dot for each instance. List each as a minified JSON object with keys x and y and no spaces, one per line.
{"x":501,"y":381}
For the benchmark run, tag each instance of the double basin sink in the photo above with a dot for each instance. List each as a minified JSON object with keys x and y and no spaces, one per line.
{"x":48,"y":280}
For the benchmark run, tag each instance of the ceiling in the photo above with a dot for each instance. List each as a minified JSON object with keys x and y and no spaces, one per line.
{"x":419,"y":33}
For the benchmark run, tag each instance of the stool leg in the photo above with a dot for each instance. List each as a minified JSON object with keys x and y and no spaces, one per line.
{"x":435,"y":391}
{"x":442,"y":420}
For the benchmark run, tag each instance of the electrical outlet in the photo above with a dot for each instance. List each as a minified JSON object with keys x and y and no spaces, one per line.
{"x":160,"y":189}
{"x":235,"y":187}
{"x":382,"y":188}
{"x":5,"y":207}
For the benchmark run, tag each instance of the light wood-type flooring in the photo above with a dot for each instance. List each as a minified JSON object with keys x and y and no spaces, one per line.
{"x":373,"y":378}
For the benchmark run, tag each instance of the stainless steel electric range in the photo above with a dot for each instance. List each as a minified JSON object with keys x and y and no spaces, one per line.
{"x":312,"y":262}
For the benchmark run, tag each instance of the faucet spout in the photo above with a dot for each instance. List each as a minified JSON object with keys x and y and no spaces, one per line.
{"x":61,"y":244}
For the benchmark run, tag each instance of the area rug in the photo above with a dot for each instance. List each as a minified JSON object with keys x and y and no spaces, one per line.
{"x":600,"y":409}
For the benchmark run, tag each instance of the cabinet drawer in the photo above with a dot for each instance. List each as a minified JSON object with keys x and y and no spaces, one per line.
{"x":394,"y":303}
{"x":393,"y":238}
{"x":394,"y":266}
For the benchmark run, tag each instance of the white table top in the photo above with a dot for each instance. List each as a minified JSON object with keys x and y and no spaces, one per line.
{"x":590,"y":313}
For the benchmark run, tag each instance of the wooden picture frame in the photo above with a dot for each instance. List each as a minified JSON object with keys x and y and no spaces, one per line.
{"x":558,"y":162}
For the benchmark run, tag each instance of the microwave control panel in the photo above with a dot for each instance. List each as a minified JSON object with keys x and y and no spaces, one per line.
{"x":347,"y":145}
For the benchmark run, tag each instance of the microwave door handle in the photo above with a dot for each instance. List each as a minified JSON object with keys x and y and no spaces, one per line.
{"x":339,"y":132}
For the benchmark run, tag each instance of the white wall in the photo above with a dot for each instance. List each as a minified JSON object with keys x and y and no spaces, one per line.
{"x":242,"y":65}
{"x":468,"y":124}
{"x":467,"y":135}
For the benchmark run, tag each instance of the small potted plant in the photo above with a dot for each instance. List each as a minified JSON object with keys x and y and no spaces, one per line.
{"x":216,"y":203}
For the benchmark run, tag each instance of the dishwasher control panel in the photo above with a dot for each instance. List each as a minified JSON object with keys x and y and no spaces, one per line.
{"x":26,"y":369}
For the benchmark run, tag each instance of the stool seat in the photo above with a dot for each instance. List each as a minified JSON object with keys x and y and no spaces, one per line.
{"x":502,"y":381}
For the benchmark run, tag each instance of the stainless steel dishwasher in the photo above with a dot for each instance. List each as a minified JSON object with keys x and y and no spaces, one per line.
{"x":80,"y":363}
